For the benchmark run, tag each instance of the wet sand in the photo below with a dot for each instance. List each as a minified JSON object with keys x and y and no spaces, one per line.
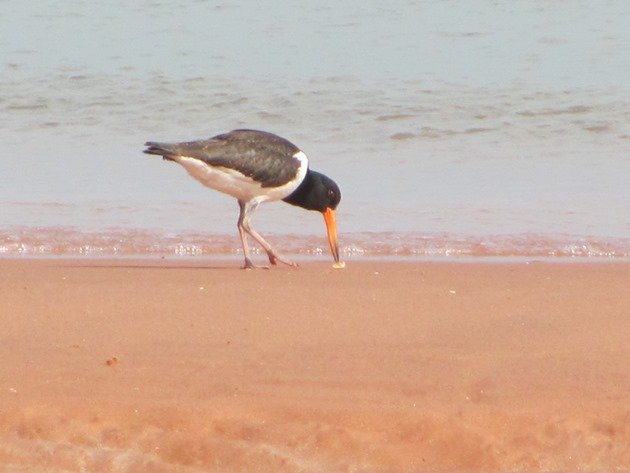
{"x":194,"y":365}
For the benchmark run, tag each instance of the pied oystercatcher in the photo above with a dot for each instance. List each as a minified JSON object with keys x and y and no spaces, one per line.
{"x":256,"y":166}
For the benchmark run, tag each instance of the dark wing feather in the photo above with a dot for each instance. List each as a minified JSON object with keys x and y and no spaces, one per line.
{"x":265,"y":157}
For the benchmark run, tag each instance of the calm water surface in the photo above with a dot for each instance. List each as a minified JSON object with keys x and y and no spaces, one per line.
{"x":483,"y":128}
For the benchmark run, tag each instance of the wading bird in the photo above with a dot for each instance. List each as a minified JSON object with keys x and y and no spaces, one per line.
{"x":254,"y":167}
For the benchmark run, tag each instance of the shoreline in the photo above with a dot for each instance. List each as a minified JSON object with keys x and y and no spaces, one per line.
{"x":115,"y":243}
{"x":195,"y":365}
{"x":304,"y":260}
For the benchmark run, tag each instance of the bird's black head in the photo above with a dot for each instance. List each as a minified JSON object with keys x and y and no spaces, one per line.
{"x":316,"y":192}
{"x":319,"y":192}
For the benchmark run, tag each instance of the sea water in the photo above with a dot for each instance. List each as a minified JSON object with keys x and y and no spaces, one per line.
{"x":452,"y":128}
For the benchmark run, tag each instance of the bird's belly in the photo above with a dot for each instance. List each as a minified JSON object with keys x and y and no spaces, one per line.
{"x":236,"y":184}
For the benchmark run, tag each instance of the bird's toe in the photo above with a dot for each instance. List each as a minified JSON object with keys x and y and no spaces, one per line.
{"x":249,"y":265}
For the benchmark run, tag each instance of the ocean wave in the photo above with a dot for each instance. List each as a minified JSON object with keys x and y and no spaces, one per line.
{"x":57,"y":241}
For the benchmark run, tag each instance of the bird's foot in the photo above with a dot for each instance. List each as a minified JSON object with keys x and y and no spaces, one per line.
{"x":274,"y":258}
{"x":249,"y":265}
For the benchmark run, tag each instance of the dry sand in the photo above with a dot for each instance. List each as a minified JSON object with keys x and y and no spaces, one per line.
{"x":131,"y":366}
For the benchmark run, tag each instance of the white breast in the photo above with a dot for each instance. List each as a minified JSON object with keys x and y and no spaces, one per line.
{"x":238,"y":185}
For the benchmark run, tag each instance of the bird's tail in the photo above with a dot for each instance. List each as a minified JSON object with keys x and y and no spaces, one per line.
{"x":166,"y":150}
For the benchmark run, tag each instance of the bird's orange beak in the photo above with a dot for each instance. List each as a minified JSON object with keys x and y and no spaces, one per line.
{"x":331,"y":228}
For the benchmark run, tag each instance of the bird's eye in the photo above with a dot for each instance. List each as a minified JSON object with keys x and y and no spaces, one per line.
{"x":331,"y":194}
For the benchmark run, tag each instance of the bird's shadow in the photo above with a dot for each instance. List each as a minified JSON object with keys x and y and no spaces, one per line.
{"x":93,"y":265}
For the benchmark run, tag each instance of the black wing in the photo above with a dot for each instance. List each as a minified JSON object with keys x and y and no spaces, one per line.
{"x":265,"y":157}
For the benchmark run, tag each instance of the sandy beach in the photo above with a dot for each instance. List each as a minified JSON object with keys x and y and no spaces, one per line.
{"x":194,"y":365}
